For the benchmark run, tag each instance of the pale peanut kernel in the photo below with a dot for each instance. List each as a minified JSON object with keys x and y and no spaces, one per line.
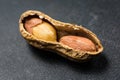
{"x":41,"y":29}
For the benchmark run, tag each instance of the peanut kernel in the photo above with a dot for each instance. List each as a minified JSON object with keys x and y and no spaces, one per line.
{"x":78,"y":43}
{"x":40,"y":29}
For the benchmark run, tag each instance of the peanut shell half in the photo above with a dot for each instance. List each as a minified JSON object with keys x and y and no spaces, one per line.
{"x":62,"y":29}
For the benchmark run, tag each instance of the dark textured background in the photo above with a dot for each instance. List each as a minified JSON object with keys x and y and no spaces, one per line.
{"x":19,"y":61}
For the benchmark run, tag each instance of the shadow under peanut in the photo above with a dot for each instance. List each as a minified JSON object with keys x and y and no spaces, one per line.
{"x":98,"y":64}
{"x":46,"y":56}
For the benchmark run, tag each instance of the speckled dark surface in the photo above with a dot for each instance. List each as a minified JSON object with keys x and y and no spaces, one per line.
{"x":19,"y":61}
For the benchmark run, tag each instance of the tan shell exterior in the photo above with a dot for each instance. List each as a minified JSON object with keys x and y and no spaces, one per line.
{"x":62,"y":29}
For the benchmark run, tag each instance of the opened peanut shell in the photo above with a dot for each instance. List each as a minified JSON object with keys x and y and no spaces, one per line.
{"x":71,"y":41}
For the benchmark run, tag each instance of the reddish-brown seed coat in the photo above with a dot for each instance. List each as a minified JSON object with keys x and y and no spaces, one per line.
{"x":31,"y":23}
{"x":78,"y":43}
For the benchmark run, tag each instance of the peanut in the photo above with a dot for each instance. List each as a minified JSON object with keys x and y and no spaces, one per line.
{"x":41,"y":29}
{"x":78,"y":43}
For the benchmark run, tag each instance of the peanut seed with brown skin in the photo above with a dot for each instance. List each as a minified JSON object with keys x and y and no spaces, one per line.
{"x":41,"y":29}
{"x":78,"y":43}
